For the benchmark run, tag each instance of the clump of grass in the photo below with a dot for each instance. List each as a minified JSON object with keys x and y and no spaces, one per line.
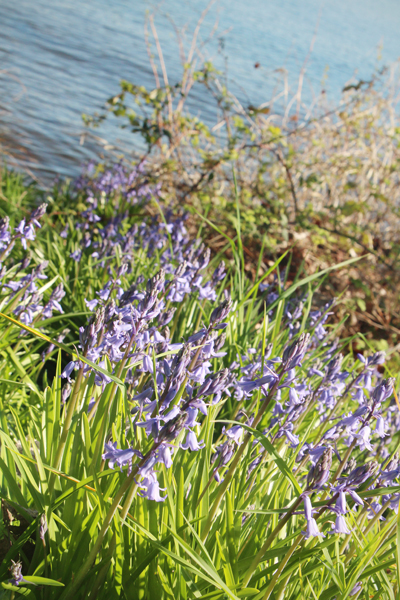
{"x":194,"y":433}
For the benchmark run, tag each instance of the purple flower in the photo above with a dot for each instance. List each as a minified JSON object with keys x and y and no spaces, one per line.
{"x":363,"y":438}
{"x":64,"y":232}
{"x":355,"y":497}
{"x":356,"y":589}
{"x":68,"y":370}
{"x":91,"y":304}
{"x":308,"y":509}
{"x":192,"y":414}
{"x":287,"y":430}
{"x":5,"y":236}
{"x":250,"y":386}
{"x":312,"y":529}
{"x":164,"y":455}
{"x":341,"y":526}
{"x":151,"y":426}
{"x":192,"y":443}
{"x":152,"y":487}
{"x":16,"y":572}
{"x":26,"y":232}
{"x":148,"y":364}
{"x":294,"y":353}
{"x":353,"y":419}
{"x":235,"y":433}
{"x":119,"y":457}
{"x":341,"y":503}
{"x":373,"y":510}
{"x":76,"y":256}
{"x":319,"y":474}
{"x":380,"y":427}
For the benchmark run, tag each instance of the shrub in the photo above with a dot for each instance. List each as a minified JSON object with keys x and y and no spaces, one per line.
{"x":321,"y":178}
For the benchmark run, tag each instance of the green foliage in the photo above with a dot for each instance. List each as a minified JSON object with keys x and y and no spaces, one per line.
{"x":103,"y":539}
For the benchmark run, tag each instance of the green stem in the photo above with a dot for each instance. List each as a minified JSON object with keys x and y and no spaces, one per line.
{"x":344,"y":461}
{"x":67,"y":424}
{"x":128,"y":501}
{"x":79,"y":577}
{"x":225,"y":483}
{"x":282,"y":565}
{"x":257,"y":559}
{"x":100,"y":439}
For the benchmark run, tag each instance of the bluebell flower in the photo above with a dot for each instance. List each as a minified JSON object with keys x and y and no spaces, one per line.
{"x":91,"y":304}
{"x":294,"y":353}
{"x":119,"y":457}
{"x":312,"y":529}
{"x":192,"y":414}
{"x":340,"y":526}
{"x":148,"y":364}
{"x":64,"y":232}
{"x":151,"y":426}
{"x":235,"y":433}
{"x":363,"y":437}
{"x":373,"y":510}
{"x":16,"y":573}
{"x":5,"y":235}
{"x":199,"y":404}
{"x":287,"y":430}
{"x":68,"y":370}
{"x":353,"y":419}
{"x":359,"y":475}
{"x":380,"y":427}
{"x":341,"y":503}
{"x":355,"y":496}
{"x":164,"y":455}
{"x":355,"y":589}
{"x":249,"y":386}
{"x":101,"y":379}
{"x":151,"y":488}
{"x":76,"y":255}
{"x":319,"y":473}
{"x":192,"y":442}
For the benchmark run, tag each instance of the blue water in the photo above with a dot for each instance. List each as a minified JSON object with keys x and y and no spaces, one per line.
{"x":60,"y":58}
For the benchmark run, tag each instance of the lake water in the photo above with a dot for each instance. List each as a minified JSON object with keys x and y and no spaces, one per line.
{"x":60,"y":58}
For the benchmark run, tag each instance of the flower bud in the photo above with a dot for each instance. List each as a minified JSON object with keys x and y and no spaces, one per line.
{"x":221,"y":312}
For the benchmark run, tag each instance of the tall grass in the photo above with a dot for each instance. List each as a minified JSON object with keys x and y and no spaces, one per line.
{"x":248,"y":373}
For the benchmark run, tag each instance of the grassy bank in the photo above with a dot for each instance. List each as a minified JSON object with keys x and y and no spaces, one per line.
{"x":172,"y":427}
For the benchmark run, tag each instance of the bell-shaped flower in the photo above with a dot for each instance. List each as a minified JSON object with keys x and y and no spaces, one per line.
{"x":340,"y":526}
{"x":164,"y":455}
{"x":120,"y":457}
{"x":235,"y":433}
{"x":151,"y":488}
{"x":341,"y":503}
{"x":312,"y":529}
{"x":380,"y":427}
{"x":192,"y":442}
{"x":148,"y":364}
{"x":363,"y":438}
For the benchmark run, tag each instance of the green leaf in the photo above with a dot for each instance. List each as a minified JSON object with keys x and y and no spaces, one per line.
{"x":280,"y":463}
{"x":42,"y":581}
